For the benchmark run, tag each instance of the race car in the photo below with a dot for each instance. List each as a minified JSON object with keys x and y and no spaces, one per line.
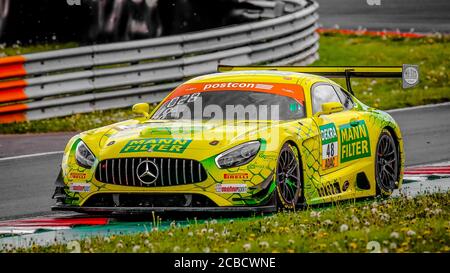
{"x":244,"y":139}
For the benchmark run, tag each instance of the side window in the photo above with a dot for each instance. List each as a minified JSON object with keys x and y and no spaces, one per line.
{"x":345,"y":98}
{"x":321,"y":94}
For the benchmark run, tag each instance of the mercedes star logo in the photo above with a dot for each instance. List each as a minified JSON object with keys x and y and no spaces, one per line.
{"x":147,"y":172}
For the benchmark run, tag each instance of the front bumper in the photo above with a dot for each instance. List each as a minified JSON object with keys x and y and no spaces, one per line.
{"x":246,"y":186}
{"x":139,"y":202}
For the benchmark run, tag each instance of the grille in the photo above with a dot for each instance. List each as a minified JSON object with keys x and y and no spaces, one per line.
{"x":172,"y":172}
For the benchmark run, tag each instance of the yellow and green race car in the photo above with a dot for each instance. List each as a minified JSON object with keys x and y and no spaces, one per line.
{"x":245,"y":139}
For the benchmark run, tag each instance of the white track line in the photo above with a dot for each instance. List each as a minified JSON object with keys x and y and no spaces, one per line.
{"x":434,"y":164}
{"x":418,"y":107}
{"x":30,"y":155}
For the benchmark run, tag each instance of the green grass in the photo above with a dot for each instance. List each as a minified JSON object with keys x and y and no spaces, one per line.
{"x":402,"y":224}
{"x":73,"y":123}
{"x":431,"y":53}
{"x":17,"y":49}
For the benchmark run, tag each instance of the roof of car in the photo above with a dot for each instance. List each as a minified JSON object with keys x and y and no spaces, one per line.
{"x":259,"y":76}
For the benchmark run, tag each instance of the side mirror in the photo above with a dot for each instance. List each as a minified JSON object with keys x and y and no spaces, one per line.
{"x":142,"y":109}
{"x":330,"y":108}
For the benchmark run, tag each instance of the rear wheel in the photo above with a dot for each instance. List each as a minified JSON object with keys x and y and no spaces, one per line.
{"x":288,"y":177}
{"x":386,"y":164}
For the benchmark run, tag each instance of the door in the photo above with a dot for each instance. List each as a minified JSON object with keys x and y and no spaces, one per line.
{"x":332,"y":155}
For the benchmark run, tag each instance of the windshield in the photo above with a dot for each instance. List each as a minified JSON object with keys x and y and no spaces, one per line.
{"x":231,"y":105}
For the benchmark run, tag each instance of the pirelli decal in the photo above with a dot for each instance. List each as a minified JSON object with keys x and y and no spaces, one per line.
{"x":355,"y":142}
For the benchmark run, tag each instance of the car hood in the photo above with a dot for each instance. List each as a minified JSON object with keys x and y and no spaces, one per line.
{"x":181,"y":139}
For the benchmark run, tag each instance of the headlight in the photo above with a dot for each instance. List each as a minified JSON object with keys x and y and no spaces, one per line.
{"x":239,"y":155}
{"x":84,"y":156}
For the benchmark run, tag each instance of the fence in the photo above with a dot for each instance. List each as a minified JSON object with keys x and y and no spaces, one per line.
{"x":84,"y":79}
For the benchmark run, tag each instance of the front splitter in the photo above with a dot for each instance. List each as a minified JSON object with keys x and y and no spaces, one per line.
{"x":148,"y":210}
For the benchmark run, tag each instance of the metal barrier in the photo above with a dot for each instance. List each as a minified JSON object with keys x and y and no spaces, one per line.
{"x":117,"y":75}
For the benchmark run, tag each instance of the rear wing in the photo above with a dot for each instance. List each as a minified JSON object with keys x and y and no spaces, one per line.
{"x":408,"y":73}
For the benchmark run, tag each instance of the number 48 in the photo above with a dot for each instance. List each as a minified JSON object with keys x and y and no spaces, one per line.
{"x":330,"y":150}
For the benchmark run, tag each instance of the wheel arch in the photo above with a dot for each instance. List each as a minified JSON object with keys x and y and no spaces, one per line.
{"x":302,"y":190}
{"x":397,"y":141}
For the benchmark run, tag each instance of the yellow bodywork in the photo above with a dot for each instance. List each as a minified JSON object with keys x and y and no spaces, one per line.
{"x":323,"y":180}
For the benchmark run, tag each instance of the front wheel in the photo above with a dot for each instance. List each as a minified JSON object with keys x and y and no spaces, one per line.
{"x":386,"y":164}
{"x":288,"y":177}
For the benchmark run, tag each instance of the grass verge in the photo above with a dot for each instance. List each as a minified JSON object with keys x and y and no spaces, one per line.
{"x":73,"y":123}
{"x":431,"y":53}
{"x":17,"y":49}
{"x":404,"y":224}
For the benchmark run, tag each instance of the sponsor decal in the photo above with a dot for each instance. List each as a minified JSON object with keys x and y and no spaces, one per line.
{"x":77,"y":175}
{"x":329,"y":188}
{"x":329,"y":146}
{"x":267,"y":156}
{"x":235,"y":176}
{"x":256,"y":166}
{"x":231,"y":188}
{"x":234,"y":85}
{"x":284,"y":89}
{"x":163,"y":145}
{"x":354,"y":141}
{"x":80,"y":187}
{"x":345,"y":186}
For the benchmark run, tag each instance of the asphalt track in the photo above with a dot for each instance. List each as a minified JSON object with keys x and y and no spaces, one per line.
{"x":26,"y":182}
{"x":419,"y":15}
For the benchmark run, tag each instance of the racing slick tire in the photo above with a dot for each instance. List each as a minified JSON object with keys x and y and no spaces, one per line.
{"x":288,"y":178}
{"x":386,"y":164}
